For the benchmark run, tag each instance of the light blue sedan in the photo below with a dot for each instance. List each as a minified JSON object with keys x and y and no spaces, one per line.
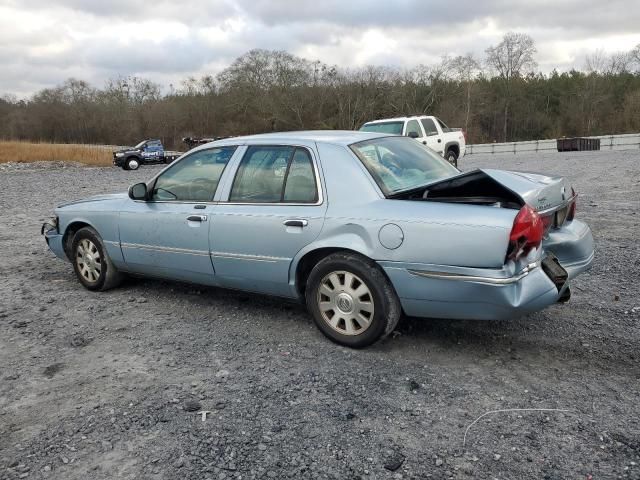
{"x":360,"y":226}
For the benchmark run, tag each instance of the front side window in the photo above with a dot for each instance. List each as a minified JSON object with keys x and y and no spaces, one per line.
{"x":275,"y":174}
{"x":394,"y":128}
{"x":194,"y":178}
{"x":413,"y":127}
{"x":400,"y":163}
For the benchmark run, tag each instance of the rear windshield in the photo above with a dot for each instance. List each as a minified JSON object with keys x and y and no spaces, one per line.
{"x":400,"y":163}
{"x":383,"y":127}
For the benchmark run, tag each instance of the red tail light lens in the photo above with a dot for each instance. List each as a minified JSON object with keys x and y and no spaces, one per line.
{"x":526,"y":234}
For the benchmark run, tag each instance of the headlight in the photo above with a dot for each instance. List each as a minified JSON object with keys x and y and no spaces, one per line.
{"x":51,"y":224}
{"x":119,"y":154}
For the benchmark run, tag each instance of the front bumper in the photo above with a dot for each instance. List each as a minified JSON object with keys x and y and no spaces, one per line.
{"x":440,"y":291}
{"x":53,"y":238}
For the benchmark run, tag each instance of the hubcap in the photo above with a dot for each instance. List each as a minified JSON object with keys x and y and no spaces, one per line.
{"x":88,"y":260}
{"x":133,"y":164}
{"x":345,"y":303}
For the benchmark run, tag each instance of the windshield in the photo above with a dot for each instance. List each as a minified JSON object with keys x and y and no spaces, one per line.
{"x":140,"y":144}
{"x":383,"y":127}
{"x":401,"y":163}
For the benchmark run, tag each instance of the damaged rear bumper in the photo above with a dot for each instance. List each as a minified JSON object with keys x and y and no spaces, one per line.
{"x":440,"y":291}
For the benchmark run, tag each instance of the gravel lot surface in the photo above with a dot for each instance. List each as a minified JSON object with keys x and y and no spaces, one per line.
{"x":106,"y":385}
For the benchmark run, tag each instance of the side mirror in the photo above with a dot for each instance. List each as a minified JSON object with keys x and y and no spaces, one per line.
{"x":413,"y":135}
{"x":138,"y":191}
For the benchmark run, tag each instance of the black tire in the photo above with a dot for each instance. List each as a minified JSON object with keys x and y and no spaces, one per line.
{"x":452,"y":157}
{"x":386,"y":305}
{"x":132,"y":163}
{"x":95,"y":261}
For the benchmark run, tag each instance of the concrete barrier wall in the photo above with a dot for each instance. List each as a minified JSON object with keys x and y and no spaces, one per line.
{"x":627,"y":141}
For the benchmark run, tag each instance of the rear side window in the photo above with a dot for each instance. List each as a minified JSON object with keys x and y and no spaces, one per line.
{"x":394,"y":128}
{"x":429,"y":126}
{"x":300,"y":186}
{"x":443,"y":125}
{"x":413,"y":127}
{"x":275,"y":174}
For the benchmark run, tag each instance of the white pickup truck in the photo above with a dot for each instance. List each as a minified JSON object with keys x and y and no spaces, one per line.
{"x":431,"y":131}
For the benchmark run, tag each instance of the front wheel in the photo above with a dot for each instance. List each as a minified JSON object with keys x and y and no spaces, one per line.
{"x":351,"y":300}
{"x":132,"y":164}
{"x":92,"y":264}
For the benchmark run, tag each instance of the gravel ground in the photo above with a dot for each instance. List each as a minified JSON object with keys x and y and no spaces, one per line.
{"x":104,"y":385}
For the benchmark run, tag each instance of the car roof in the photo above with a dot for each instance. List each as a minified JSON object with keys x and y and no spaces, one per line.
{"x":335,"y":137}
{"x":398,"y":119}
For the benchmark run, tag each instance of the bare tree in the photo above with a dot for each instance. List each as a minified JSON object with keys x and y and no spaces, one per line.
{"x":635,"y":56}
{"x":608,"y":64}
{"x":464,"y":69}
{"x":511,"y":59}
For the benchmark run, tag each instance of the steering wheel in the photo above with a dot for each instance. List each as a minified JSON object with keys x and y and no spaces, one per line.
{"x":200,"y":189}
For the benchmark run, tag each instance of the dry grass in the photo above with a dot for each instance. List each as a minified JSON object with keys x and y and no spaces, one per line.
{"x":96,"y":155}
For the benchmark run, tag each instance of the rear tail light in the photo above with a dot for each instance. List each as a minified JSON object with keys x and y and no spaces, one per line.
{"x":526,"y":234}
{"x":547,"y":222}
{"x":572,"y":207}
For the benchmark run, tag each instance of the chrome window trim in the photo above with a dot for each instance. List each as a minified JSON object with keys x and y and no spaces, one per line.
{"x":316,"y":174}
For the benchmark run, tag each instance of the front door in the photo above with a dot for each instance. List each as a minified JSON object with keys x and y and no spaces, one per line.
{"x":168,"y":235}
{"x":275,"y":208}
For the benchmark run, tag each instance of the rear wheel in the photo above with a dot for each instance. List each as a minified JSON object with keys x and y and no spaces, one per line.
{"x":351,"y":300}
{"x":132,"y":164}
{"x":452,"y":157}
{"x":91,"y":262}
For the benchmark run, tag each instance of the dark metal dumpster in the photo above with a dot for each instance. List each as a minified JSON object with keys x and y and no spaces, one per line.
{"x":578,"y":144}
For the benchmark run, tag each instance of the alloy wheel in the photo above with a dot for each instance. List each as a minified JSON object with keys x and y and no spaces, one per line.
{"x":345,"y":303}
{"x":88,"y":260}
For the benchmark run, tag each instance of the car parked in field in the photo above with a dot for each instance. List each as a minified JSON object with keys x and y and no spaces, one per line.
{"x":360,"y":226}
{"x":147,"y":152}
{"x":431,"y":131}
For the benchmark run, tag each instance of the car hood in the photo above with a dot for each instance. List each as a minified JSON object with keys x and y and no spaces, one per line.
{"x":539,"y":191}
{"x":95,"y":198}
{"x":126,"y":149}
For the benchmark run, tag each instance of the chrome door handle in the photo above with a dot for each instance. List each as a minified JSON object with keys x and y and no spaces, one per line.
{"x":296,"y":222}
{"x":197,"y":218}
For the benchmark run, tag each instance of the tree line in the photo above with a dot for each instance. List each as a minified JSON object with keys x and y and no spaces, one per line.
{"x":501,"y":97}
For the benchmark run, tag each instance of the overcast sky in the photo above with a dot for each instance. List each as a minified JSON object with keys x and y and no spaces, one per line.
{"x":43,"y":42}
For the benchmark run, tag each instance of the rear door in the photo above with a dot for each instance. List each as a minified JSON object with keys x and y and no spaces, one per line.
{"x":271,"y":209}
{"x":433,"y":138}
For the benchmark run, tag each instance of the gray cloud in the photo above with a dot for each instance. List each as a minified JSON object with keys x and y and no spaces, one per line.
{"x":42,"y":43}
